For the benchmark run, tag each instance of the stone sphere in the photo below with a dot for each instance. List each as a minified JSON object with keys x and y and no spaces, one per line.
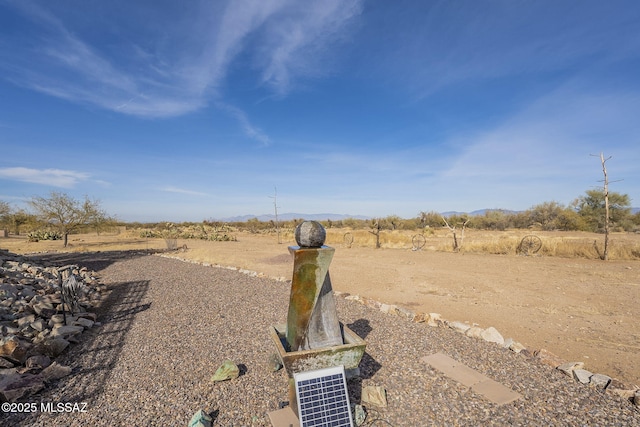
{"x":310,"y":234}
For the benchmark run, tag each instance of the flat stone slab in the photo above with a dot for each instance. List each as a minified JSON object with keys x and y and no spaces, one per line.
{"x":492,"y":390}
{"x":284,"y":417}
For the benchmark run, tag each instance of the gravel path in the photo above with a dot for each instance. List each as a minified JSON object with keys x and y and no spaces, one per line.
{"x":167,"y":325}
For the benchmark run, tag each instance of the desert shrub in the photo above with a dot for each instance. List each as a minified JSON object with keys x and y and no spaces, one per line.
{"x":37,"y":235}
{"x":149,"y":234}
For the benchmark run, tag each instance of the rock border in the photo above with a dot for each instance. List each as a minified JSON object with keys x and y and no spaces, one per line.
{"x":574,"y":370}
{"x":33,"y":332}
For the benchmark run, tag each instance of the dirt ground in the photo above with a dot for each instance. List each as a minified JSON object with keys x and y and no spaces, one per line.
{"x":579,"y":309}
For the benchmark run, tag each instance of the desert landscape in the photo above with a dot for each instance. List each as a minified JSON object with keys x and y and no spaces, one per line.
{"x":579,"y":309}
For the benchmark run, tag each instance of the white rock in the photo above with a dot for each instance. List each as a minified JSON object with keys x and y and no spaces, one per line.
{"x":491,"y":334}
{"x":433,"y":319}
{"x":516,"y":347}
{"x":389,"y":309}
{"x":474,"y":332}
{"x":458,"y":326}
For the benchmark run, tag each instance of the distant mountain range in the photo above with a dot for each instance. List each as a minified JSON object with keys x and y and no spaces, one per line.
{"x":338,"y":217}
{"x":478,"y":212}
{"x":291,"y":216}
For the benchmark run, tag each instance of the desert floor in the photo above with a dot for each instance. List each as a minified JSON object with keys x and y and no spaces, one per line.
{"x":580,"y":309}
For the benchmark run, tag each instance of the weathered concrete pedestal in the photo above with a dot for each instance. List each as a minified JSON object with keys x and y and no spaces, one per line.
{"x":313,"y":337}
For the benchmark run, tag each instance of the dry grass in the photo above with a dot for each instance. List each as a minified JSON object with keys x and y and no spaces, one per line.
{"x":623,"y":246}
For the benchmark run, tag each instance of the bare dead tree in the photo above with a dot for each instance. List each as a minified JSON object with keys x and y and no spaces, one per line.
{"x":375,"y":224}
{"x":275,"y":207}
{"x":605,"y":253}
{"x":457,"y":245}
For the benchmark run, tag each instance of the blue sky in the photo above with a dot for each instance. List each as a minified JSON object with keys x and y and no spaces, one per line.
{"x":185,"y":111}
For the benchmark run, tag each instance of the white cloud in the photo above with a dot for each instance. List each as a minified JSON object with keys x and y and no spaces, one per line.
{"x":296,"y":41}
{"x":172,"y":189}
{"x":249,"y":129}
{"x":53,"y":177}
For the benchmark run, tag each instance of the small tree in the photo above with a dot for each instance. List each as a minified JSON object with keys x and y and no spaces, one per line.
{"x":4,"y":209}
{"x":65,"y":213}
{"x":19,"y":218}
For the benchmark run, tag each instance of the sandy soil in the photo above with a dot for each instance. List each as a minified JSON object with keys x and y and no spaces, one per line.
{"x":581,"y":310}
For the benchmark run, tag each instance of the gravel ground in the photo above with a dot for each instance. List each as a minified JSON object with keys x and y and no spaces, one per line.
{"x":167,"y":325}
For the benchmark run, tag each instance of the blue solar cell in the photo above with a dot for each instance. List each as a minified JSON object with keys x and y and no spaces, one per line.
{"x":323,"y":400}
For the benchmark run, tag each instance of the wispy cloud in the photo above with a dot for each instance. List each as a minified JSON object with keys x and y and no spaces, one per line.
{"x":249,"y":129}
{"x":53,"y":177}
{"x":172,"y":189}
{"x":492,"y":40}
{"x":183,"y":66}
{"x":296,"y":41}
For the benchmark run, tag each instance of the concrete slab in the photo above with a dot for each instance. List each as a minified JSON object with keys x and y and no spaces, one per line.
{"x":454,"y":369}
{"x":481,"y":384}
{"x":284,"y":417}
{"x":495,"y":392}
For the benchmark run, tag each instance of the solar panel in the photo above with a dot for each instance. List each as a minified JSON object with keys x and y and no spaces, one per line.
{"x":323,"y":400}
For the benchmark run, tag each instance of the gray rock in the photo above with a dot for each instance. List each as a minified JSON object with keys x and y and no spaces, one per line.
{"x":87,"y":315}
{"x":44,"y":309}
{"x":59,"y":319}
{"x":636,"y":398}
{"x":39,"y":361}
{"x":27,"y":292}
{"x":4,"y":363}
{"x":85,"y":323}
{"x":26,"y":320}
{"x":582,"y":375}
{"x":39,"y":325}
{"x":601,"y":381}
{"x":17,"y":386}
{"x":53,"y":347}
{"x":569,"y":367}
{"x":55,"y":371}
{"x":66,"y":331}
{"x":8,"y":371}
